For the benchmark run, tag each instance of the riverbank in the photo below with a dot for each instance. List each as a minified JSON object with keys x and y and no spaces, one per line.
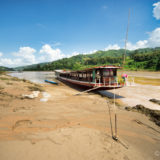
{"x":140,"y":88}
{"x":68,"y":126}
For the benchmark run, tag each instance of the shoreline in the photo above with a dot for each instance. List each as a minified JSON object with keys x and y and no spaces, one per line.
{"x":69,"y":126}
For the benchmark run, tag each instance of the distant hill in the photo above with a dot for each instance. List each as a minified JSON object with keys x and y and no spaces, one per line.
{"x":109,"y":53}
{"x":5,"y":69}
{"x":30,"y":67}
{"x":80,"y":61}
{"x":145,"y":59}
{"x":140,"y":59}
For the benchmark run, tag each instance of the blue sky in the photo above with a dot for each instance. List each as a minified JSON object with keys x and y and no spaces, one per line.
{"x":34,"y":31}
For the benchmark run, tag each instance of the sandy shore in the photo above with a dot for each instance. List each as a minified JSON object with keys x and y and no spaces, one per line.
{"x":69,"y":127}
{"x":138,"y":94}
{"x":146,"y":86}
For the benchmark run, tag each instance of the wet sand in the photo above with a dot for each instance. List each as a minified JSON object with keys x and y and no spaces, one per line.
{"x":139,"y":91}
{"x":69,"y":127}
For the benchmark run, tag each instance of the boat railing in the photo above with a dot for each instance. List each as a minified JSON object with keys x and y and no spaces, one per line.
{"x":113,"y":81}
{"x":109,"y":81}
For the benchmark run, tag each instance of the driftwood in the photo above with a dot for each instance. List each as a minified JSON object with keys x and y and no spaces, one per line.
{"x":155,"y":101}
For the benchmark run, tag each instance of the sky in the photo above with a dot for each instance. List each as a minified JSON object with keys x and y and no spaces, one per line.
{"x":36,"y":31}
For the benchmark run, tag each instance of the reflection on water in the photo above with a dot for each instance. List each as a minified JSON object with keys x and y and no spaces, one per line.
{"x":37,"y":77}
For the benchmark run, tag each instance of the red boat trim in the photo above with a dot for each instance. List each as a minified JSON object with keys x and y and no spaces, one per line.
{"x":91,"y":84}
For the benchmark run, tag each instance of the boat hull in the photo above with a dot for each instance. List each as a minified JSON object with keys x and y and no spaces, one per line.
{"x":89,"y":85}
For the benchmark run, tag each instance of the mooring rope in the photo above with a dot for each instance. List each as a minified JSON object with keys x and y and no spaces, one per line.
{"x":110,"y":119}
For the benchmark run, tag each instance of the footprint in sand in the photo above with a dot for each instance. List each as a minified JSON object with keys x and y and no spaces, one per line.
{"x":20,"y":123}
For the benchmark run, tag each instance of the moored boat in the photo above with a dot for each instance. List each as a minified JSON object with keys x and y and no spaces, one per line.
{"x":100,"y":78}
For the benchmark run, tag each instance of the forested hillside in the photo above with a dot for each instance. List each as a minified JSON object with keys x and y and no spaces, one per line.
{"x":141,"y":59}
{"x":145,"y":59}
{"x":5,"y":69}
{"x":82,"y":61}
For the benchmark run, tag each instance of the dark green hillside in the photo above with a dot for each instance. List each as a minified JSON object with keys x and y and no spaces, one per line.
{"x":144,"y":59}
{"x":5,"y":69}
{"x":33,"y":67}
{"x":141,"y":59}
{"x":110,"y":53}
{"x":82,"y":61}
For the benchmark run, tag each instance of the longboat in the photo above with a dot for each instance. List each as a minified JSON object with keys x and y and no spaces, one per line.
{"x":100,"y":78}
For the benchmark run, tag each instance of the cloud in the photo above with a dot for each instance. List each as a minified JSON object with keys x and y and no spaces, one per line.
{"x":112,"y":47}
{"x":27,"y":55}
{"x":156,"y":10}
{"x":154,"y":38}
{"x":50,"y":54}
{"x":1,"y":54}
{"x":24,"y":56}
{"x":10,"y":62}
{"x":84,"y":53}
{"x":152,"y":41}
{"x":73,"y":54}
{"x":5,"y":61}
{"x":137,"y":45}
{"x":90,"y":52}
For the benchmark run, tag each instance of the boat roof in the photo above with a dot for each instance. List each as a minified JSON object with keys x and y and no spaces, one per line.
{"x":62,"y":71}
{"x":89,"y":69}
{"x":99,"y":67}
{"x":106,"y":66}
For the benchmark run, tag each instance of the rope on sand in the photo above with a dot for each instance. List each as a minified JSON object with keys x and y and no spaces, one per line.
{"x":115,"y":134}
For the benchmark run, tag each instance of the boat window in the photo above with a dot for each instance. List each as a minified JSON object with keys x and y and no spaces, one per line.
{"x":114,"y":72}
{"x":111,"y":73}
{"x":105,"y":73}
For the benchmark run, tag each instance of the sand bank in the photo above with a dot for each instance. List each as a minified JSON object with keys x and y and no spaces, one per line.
{"x":69,"y":127}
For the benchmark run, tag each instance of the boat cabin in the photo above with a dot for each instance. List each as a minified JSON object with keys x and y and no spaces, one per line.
{"x":102,"y":75}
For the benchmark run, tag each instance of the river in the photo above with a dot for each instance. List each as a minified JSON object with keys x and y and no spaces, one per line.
{"x":37,"y":77}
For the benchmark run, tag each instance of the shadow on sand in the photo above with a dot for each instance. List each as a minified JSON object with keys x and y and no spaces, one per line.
{"x":109,"y":94}
{"x":73,"y":86}
{"x":102,"y":93}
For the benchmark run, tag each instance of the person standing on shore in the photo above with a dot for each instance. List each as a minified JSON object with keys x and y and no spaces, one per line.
{"x":124,"y":77}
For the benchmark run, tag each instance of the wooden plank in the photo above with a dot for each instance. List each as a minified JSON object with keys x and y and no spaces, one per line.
{"x":87,"y":90}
